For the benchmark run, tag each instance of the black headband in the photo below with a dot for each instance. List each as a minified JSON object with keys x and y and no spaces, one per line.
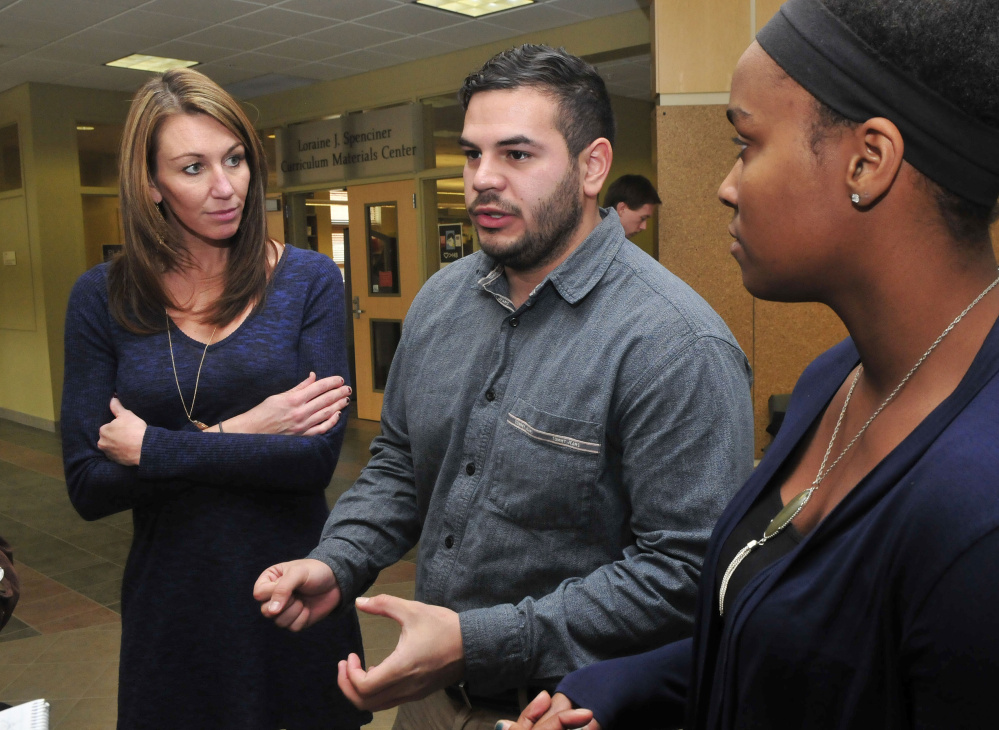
{"x":829,"y":60}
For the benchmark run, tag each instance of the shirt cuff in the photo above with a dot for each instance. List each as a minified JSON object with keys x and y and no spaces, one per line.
{"x":345,"y":577}
{"x":496,"y":643}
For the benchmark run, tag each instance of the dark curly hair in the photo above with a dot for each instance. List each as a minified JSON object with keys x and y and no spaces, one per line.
{"x":953,"y":48}
{"x":584,"y":108}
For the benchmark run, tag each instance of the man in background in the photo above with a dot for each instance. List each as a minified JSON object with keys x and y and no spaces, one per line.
{"x":635,"y":200}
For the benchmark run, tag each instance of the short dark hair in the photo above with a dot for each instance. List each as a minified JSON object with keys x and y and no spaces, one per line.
{"x":951,"y":47}
{"x":634,"y":191}
{"x":584,"y":108}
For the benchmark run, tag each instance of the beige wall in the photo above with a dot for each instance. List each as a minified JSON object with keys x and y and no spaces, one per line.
{"x":31,"y":356}
{"x":101,"y":225}
{"x":24,"y":358}
{"x":695,"y":45}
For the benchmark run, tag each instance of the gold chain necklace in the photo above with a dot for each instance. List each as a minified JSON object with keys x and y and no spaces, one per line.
{"x":189,"y":411}
{"x":792,"y":508}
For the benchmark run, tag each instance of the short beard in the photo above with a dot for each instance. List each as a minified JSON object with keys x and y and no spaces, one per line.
{"x":556,"y":219}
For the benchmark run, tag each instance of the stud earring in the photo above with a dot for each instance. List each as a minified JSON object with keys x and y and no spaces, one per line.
{"x":855,"y":198}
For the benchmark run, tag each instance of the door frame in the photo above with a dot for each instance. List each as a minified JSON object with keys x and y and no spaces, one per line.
{"x":365,"y":306}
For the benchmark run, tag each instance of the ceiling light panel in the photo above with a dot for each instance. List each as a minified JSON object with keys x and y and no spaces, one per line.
{"x":156,"y":64}
{"x":475,"y":8}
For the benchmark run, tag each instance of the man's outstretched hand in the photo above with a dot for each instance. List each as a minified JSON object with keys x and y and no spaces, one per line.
{"x":297,"y":594}
{"x":428,"y":657}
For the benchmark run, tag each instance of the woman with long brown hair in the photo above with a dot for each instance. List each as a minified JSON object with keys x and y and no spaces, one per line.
{"x":853,"y":581}
{"x":203,"y":392}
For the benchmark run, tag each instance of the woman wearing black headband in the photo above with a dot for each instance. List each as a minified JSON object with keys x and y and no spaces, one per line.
{"x":853,"y":582}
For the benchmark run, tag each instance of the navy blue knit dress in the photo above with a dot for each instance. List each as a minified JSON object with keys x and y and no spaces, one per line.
{"x":212,"y":511}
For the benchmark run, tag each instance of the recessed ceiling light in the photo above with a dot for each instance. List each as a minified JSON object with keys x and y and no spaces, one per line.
{"x":475,"y":8}
{"x":156,"y":64}
{"x":84,"y":128}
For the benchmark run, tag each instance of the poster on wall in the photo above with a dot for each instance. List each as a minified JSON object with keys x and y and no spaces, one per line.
{"x":451,"y":242}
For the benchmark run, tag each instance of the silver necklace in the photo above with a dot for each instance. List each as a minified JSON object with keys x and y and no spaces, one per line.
{"x":189,"y":412}
{"x":798,"y":502}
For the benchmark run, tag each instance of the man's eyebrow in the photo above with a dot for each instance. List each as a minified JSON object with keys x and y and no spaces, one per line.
{"x":508,"y":142}
{"x":515,"y":140}
{"x":735,"y":113}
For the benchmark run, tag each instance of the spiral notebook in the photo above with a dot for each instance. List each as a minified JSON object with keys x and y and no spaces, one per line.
{"x":32,"y":715}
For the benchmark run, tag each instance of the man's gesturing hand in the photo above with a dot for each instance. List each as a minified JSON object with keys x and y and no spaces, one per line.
{"x":428,"y":657}
{"x":297,"y":594}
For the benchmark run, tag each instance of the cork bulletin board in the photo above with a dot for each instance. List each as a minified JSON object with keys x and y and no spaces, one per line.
{"x":694,"y":154}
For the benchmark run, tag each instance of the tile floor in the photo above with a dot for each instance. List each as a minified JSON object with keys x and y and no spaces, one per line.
{"x":63,"y":641}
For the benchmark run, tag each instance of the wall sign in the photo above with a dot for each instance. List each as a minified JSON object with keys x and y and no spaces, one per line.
{"x":368,"y":144}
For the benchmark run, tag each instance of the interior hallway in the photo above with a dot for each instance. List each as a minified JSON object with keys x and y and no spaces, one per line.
{"x":63,"y":641}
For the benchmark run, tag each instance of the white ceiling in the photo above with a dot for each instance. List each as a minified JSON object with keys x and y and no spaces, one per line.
{"x":255,"y":47}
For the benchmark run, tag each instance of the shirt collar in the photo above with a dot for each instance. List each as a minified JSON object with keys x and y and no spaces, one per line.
{"x":576,"y":276}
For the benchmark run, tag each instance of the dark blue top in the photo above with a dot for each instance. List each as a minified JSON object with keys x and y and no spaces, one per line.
{"x":211,"y":511}
{"x":883,"y":616}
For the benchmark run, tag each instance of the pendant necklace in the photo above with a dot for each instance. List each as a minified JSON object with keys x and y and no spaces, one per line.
{"x":189,"y":411}
{"x":798,"y":502}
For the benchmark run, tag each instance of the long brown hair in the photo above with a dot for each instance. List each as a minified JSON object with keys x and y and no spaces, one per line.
{"x":136,"y":295}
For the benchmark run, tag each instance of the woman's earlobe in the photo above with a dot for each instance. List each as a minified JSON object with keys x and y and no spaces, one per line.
{"x":874,"y":167}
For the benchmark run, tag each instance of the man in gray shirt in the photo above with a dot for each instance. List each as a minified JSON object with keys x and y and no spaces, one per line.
{"x":563,"y":423}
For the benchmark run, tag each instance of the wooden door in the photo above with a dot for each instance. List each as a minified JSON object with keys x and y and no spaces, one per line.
{"x":385,"y":276}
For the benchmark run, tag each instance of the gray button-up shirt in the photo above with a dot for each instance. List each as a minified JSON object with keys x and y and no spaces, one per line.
{"x":562,"y":463}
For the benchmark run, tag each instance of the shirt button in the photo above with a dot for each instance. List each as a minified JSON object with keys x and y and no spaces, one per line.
{"x":449,"y":542}
{"x":490,"y":395}
{"x":514,"y":322}
{"x":470,"y":469}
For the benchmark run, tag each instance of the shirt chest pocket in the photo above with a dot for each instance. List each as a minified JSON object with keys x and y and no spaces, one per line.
{"x":546,"y":468}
